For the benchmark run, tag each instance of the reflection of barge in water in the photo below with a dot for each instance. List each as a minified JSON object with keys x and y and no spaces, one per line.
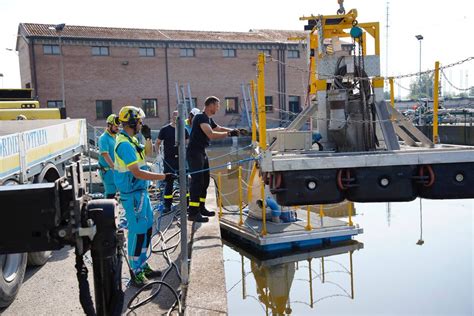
{"x":274,"y":275}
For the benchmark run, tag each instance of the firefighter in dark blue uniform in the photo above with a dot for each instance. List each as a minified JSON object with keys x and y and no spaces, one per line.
{"x":203,"y":129}
{"x":170,"y":159}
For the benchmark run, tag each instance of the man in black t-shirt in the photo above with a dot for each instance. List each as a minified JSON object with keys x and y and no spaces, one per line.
{"x":203,"y":130}
{"x":170,"y":159}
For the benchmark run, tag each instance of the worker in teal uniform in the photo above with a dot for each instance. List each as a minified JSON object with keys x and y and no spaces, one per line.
{"x":106,"y":157}
{"x":132,"y":179}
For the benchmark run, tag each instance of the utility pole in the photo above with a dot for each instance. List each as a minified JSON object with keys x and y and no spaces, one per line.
{"x":386,"y":40}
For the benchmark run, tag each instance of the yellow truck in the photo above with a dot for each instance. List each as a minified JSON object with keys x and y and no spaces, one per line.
{"x":16,"y":102}
{"x":33,"y":151}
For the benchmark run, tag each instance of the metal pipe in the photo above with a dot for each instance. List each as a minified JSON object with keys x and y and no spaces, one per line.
{"x":63,"y":93}
{"x":182,"y":192}
{"x":392,"y":92}
{"x":350,"y":214}
{"x":254,"y":118}
{"x":321,"y":214}
{"x":167,"y":82}
{"x":264,"y":210}
{"x":436,"y":103}
{"x":261,"y":101}
{"x":310,"y":282}
{"x":241,"y":222}
{"x":308,"y":224}
{"x":219,"y":194}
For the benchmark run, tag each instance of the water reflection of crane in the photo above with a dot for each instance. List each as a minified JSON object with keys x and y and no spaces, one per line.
{"x":275,"y":274}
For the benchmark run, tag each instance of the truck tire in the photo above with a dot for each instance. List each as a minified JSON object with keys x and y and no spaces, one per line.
{"x":12,"y":272}
{"x":48,"y":174}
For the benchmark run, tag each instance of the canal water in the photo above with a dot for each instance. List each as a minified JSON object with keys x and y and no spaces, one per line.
{"x":413,"y":258}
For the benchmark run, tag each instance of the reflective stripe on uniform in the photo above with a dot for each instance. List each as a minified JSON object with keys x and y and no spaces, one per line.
{"x":195,"y":204}
{"x":202,"y":199}
{"x":168,"y":196}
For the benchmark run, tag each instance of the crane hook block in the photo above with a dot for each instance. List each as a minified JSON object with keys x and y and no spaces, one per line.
{"x":356,"y":32}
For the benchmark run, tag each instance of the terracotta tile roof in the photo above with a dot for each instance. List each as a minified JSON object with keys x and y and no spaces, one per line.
{"x":94,"y":32}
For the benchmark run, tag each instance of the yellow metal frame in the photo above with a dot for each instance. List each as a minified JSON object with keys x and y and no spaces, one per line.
{"x":436,"y":104}
{"x":341,"y":29}
{"x":262,"y":119}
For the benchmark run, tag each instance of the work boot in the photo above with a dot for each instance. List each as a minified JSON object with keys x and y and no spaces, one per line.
{"x":204,"y":211}
{"x":197,"y":217}
{"x":139,"y":280}
{"x":150,"y":273}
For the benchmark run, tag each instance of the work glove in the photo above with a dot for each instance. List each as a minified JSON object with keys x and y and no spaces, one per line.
{"x":146,"y":131}
{"x":243,"y":132}
{"x":233,"y":133}
{"x":170,"y":177}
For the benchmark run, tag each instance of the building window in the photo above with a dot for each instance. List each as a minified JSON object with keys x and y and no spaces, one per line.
{"x":186,"y":52}
{"x":267,"y":52}
{"x":294,"y":106}
{"x":293,"y":53}
{"x":150,"y":107}
{"x":54,"y":104}
{"x":268,"y":104}
{"x":231,"y":105}
{"x":191,"y":103}
{"x":100,"y":51}
{"x":147,"y":52}
{"x":103,"y":108}
{"x":51,"y":49}
{"x":229,"y":52}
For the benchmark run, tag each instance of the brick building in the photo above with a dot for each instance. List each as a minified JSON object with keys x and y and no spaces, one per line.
{"x":106,"y":68}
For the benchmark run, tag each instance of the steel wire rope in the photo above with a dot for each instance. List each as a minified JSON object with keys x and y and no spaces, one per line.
{"x":413,"y":74}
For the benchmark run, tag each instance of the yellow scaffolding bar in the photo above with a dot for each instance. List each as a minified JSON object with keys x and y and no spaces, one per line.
{"x":392,"y":92}
{"x":308,"y":213}
{"x":241,"y":222}
{"x":349,"y":207}
{"x":262,"y":120}
{"x":254,"y":118}
{"x":436,"y":104}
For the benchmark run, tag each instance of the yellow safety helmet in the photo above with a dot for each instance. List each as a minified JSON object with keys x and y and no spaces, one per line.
{"x":113,"y":120}
{"x":131,"y":114}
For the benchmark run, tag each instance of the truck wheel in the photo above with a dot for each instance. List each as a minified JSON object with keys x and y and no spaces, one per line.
{"x":12,"y":272}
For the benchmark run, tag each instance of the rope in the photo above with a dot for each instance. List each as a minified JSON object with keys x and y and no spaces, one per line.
{"x":230,"y":153}
{"x":223,"y":166}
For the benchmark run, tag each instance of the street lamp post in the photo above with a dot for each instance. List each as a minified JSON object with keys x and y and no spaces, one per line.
{"x":419,"y":38}
{"x":59,"y":28}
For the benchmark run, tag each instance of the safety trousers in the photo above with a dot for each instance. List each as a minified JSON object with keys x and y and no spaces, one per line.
{"x":170,"y":166}
{"x":139,"y":216}
{"x":198,"y":161}
{"x":107,"y":177}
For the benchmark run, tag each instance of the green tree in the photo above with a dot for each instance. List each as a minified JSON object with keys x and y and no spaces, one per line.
{"x":422,"y":87}
{"x":471,"y":91}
